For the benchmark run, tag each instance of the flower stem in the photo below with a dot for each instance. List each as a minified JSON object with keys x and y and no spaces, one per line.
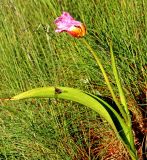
{"x":122,"y":111}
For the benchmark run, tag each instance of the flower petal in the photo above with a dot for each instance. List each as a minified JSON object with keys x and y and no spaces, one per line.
{"x":66,"y":23}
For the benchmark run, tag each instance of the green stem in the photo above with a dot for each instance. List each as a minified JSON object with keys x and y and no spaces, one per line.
{"x":106,"y":79}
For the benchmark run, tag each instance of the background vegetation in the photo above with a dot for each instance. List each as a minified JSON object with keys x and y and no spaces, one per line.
{"x":33,"y":55}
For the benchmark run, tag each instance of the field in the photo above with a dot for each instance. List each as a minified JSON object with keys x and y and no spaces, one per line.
{"x":33,"y":55}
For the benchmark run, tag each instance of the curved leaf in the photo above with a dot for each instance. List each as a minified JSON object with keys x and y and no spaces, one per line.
{"x":89,"y":100}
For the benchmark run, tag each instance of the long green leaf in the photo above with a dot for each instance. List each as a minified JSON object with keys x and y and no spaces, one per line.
{"x":91,"y":101}
{"x":123,"y":133}
{"x":121,"y":94}
{"x":115,"y":72}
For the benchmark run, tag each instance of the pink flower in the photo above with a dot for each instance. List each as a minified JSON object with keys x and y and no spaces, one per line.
{"x":66,"y":23}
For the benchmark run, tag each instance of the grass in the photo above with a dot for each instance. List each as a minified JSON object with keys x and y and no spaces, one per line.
{"x":33,"y":55}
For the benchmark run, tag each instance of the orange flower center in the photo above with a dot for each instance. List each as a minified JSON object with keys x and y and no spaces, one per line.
{"x":77,"y":31}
